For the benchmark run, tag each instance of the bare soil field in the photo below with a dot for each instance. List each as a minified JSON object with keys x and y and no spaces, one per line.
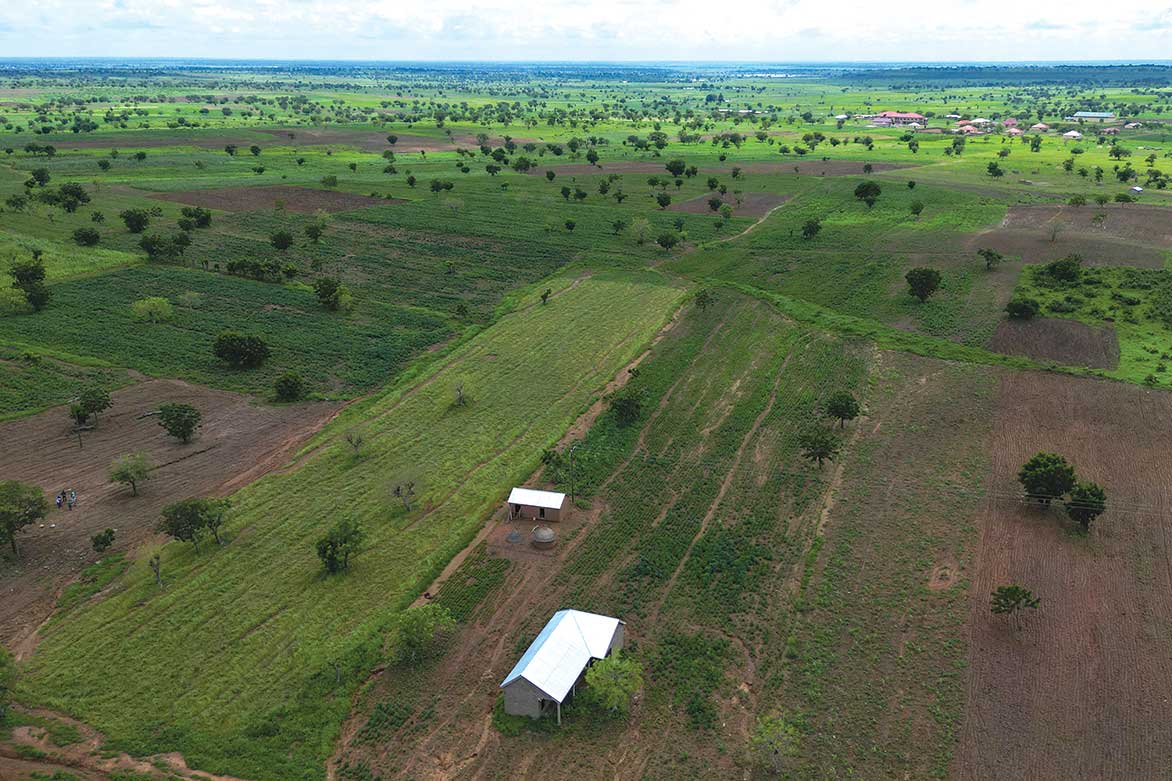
{"x":1067,"y":342}
{"x":304,"y":200}
{"x":238,"y":442}
{"x":1084,"y":688}
{"x":752,"y":204}
{"x":1126,"y":235}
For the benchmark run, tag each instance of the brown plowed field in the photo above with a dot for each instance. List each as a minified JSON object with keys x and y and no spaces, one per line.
{"x":305,"y":200}
{"x":1126,"y":235}
{"x":1067,"y":342}
{"x":752,"y":204}
{"x":239,"y":441}
{"x":1084,"y":689}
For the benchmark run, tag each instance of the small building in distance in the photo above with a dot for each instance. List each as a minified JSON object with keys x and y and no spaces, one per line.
{"x":1073,"y":135}
{"x":532,"y":505}
{"x":1009,"y":122}
{"x":550,"y":668}
{"x":1098,"y":116}
{"x":1041,"y":127}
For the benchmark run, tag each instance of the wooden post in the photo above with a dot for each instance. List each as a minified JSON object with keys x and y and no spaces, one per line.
{"x":559,"y":714}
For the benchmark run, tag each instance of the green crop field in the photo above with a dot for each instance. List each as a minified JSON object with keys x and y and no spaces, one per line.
{"x":639,"y":284}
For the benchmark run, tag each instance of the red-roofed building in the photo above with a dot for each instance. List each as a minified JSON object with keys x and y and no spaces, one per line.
{"x":902,"y":117}
{"x":1009,"y":122}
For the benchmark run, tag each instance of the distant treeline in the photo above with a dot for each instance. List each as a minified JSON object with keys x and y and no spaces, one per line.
{"x":999,"y":75}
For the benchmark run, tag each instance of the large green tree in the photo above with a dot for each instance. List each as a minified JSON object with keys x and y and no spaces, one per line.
{"x":21,"y":505}
{"x":1046,"y":477}
{"x":612,"y":682}
{"x":423,"y":631}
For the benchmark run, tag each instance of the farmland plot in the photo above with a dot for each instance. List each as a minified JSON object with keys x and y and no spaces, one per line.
{"x":251,"y":675}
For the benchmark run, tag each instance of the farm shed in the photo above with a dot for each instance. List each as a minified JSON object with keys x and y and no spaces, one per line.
{"x":529,"y":504}
{"x":550,"y":668}
{"x":1099,"y":115}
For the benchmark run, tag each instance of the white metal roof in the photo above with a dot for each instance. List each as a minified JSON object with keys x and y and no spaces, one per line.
{"x":551,"y":500}
{"x":562,"y":650}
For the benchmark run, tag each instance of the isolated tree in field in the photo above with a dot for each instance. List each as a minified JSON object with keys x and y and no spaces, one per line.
{"x":340,"y":544}
{"x":86,"y":237}
{"x":1067,"y":269}
{"x":332,"y":181}
{"x":627,"y":406}
{"x":21,"y":505}
{"x":1086,"y":503}
{"x":704,"y":299}
{"x":995,"y":170}
{"x":289,"y":387}
{"x":1011,"y":601}
{"x":241,"y":351}
{"x":612,"y":682}
{"x":231,"y":150}
{"x":811,"y":228}
{"x":676,"y":167}
{"x":313,"y":231}
{"x":618,"y":226}
{"x":545,"y":294}
{"x":570,"y":225}
{"x":281,"y":240}
{"x":843,"y":406}
{"x":135,"y":220}
{"x":991,"y":257}
{"x":94,"y":400}
{"x":923,"y":282}
{"x":1022,"y":308}
{"x":131,"y":469}
{"x":28,"y":277}
{"x":405,"y":493}
{"x":667,"y":240}
{"x":423,"y":631}
{"x":153,"y":309}
{"x":102,"y":541}
{"x":1045,"y":477}
{"x":819,"y":444}
{"x":916,"y":208}
{"x":182,"y":522}
{"x":663,"y":199}
{"x":774,"y":742}
{"x":156,"y":564}
{"x":868,"y":192}
{"x":550,"y":175}
{"x":180,"y":420}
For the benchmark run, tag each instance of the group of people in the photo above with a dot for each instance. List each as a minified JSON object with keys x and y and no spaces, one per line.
{"x":67,"y":498}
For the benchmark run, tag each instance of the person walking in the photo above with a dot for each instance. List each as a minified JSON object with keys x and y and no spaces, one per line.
{"x":60,"y":499}
{"x":72,"y":498}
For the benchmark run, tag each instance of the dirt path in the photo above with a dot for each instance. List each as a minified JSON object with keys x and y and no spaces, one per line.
{"x":238,"y":442}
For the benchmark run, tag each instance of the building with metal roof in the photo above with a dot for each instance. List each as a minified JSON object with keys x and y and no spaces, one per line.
{"x":531,"y":504}
{"x":550,"y":668}
{"x":1099,"y":115}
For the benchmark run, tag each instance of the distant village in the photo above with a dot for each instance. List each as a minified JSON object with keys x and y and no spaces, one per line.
{"x":955,"y":123}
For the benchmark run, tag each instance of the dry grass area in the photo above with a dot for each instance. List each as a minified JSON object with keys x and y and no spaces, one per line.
{"x":305,"y":200}
{"x":1066,"y":342}
{"x":1084,"y":689}
{"x":238,"y":442}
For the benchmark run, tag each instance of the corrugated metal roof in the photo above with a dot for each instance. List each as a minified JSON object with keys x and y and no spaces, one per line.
{"x":549,"y":499}
{"x":1094,"y":114}
{"x":562,"y":650}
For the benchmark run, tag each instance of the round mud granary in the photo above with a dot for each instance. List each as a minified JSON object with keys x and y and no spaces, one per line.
{"x":544,"y":537}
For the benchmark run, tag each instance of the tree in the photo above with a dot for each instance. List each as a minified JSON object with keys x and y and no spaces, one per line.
{"x":21,"y":505}
{"x":86,"y":237}
{"x":136,"y":220}
{"x":29,"y":278}
{"x":1067,"y":269}
{"x":93,"y":400}
{"x":676,"y":167}
{"x":868,"y":192}
{"x":923,"y":282}
{"x":811,"y":228}
{"x":1022,"y":308}
{"x":819,"y":444}
{"x":627,"y":406}
{"x":241,"y":351}
{"x":991,"y":256}
{"x":704,"y":299}
{"x":180,"y":420}
{"x":995,"y":170}
{"x":131,"y":469}
{"x":663,"y":199}
{"x":570,"y":225}
{"x":612,"y":682}
{"x":342,"y":542}
{"x":1045,"y":477}
{"x":313,"y":231}
{"x":1086,"y":503}
{"x":423,"y":631}
{"x":156,"y":564}
{"x":102,"y":541}
{"x":289,"y":387}
{"x":774,"y":741}
{"x":281,"y":240}
{"x":545,"y":294}
{"x":916,"y":208}
{"x":153,"y":309}
{"x":844,"y":406}
{"x":667,"y":240}
{"x":1011,"y":600}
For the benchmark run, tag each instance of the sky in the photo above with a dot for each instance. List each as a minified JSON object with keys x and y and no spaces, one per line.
{"x":585,"y":30}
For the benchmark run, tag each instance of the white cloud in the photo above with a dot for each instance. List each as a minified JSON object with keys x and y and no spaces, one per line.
{"x":775,"y":30}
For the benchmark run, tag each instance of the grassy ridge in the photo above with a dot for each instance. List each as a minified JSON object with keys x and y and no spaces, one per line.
{"x":214,"y":665}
